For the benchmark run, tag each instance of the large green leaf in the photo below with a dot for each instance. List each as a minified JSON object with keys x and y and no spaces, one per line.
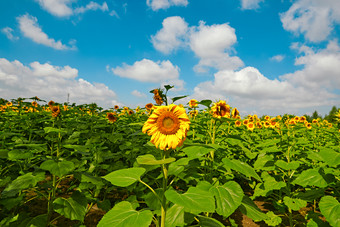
{"x":22,"y":182}
{"x":149,"y":159}
{"x":294,"y":204}
{"x":195,"y":200}
{"x":330,"y":156}
{"x":197,"y":151}
{"x":73,"y":208}
{"x":228,"y":197}
{"x":208,"y":222}
{"x":19,"y":154}
{"x":175,"y":216}
{"x":287,"y":166}
{"x":241,"y":167}
{"x":125,"y":177}
{"x":249,"y":208}
{"x":311,"y":177}
{"x":264,"y":162}
{"x":59,"y":169}
{"x":123,"y":215}
{"x":330,"y":208}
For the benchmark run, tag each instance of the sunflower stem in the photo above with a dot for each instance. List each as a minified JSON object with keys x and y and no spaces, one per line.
{"x":165,"y":185}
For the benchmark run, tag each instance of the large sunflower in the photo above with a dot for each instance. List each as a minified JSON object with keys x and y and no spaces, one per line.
{"x":220,"y":109}
{"x":167,"y":126}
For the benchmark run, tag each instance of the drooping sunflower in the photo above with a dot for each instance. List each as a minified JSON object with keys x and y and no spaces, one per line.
{"x":55,"y":111}
{"x":167,"y":126}
{"x":235,"y":113}
{"x":193,"y":103}
{"x":220,"y":109}
{"x":111,"y":117}
{"x":149,"y":106}
{"x":50,"y":103}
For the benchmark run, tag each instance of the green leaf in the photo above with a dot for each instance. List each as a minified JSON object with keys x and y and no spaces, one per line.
{"x":123,"y":215}
{"x":208,"y":222}
{"x":125,"y":177}
{"x":73,"y":208}
{"x":330,"y":156}
{"x":264,"y":162}
{"x":19,"y":154}
{"x":38,"y":221}
{"x":168,"y":87}
{"x":311,"y":177}
{"x":59,"y":169}
{"x":196,"y":151}
{"x":23,"y":182}
{"x":195,"y":200}
{"x":228,"y":197}
{"x":311,"y":194}
{"x":174,"y":99}
{"x":52,"y":129}
{"x":205,"y":102}
{"x":175,"y":216}
{"x":149,"y":159}
{"x":249,"y":208}
{"x":241,"y":167}
{"x":294,"y":204}
{"x":272,"y":219}
{"x":152,"y":201}
{"x":287,"y":166}
{"x":330,"y":208}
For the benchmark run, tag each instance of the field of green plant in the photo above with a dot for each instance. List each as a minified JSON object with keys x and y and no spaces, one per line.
{"x":71,"y":165}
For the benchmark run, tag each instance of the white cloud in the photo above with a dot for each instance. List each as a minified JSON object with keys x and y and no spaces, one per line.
{"x":138,"y":94}
{"x":213,"y":44}
{"x":277,"y":58}
{"x":51,"y":82}
{"x":171,"y":36}
{"x":250,"y":4}
{"x":313,"y":18}
{"x":30,"y":28}
{"x":9,"y":33}
{"x":149,"y":71}
{"x":165,"y":4}
{"x":91,"y":6}
{"x":315,"y":86}
{"x":59,"y":8}
{"x":114,"y":13}
{"x":63,"y":8}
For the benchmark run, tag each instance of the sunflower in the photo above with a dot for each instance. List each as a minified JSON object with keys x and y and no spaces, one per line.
{"x":193,"y":103}
{"x":34,"y":103}
{"x":238,"y":123}
{"x":220,"y":109}
{"x":308,"y":125}
{"x":9,"y":104}
{"x":167,"y":126}
{"x":250,"y":126}
{"x":111,"y":117}
{"x":235,"y":113}
{"x":116,"y":107}
{"x":51,"y":103}
{"x":149,"y":106}
{"x":130,"y":112}
{"x":55,"y":111}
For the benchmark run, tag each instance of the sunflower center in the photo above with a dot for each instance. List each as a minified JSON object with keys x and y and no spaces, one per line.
{"x":168,"y":123}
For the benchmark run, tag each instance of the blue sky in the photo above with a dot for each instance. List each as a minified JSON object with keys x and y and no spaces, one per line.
{"x":261,"y":56}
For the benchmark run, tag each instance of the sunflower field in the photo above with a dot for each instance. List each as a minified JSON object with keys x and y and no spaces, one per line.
{"x":200,"y":164}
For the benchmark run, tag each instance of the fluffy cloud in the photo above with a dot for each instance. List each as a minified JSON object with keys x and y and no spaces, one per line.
{"x":162,"y":72}
{"x":250,"y":4}
{"x":164,"y":4}
{"x":138,"y":94}
{"x":277,"y":58}
{"x":30,"y":28}
{"x":313,"y":18}
{"x":91,"y":6}
{"x":63,"y":8}
{"x":316,"y":85}
{"x":59,"y":8}
{"x":212,"y":44}
{"x":9,"y":33}
{"x":51,"y":82}
{"x":171,"y":36}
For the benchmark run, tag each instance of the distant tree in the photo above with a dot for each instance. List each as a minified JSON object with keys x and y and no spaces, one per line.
{"x":308,"y":118}
{"x":331,"y":115}
{"x":316,"y":115}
